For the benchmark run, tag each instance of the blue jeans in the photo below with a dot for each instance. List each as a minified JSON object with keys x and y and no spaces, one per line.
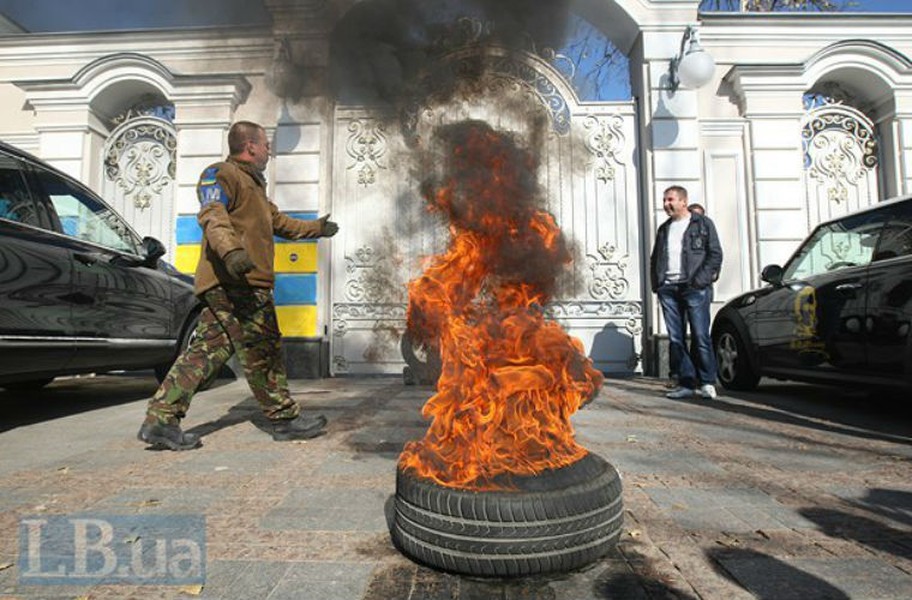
{"x":682,"y":305}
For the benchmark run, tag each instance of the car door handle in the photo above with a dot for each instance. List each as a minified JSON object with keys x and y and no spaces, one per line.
{"x":87,"y":258}
{"x":848,"y":288}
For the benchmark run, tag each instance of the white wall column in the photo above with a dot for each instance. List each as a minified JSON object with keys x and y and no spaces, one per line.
{"x":901,"y":146}
{"x":773,"y":108}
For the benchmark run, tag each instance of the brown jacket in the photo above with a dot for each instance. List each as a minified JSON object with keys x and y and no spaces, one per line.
{"x":235,"y":213}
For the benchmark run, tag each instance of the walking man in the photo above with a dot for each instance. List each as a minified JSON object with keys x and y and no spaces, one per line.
{"x":685,"y":261}
{"x":234,"y":279}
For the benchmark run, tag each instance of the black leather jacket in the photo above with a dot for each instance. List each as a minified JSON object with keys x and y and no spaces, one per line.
{"x":701,"y":258}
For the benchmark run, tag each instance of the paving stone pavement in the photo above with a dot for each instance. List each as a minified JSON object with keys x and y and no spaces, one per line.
{"x":793,"y":492}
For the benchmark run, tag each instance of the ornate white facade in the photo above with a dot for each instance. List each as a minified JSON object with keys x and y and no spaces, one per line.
{"x":137,"y":115}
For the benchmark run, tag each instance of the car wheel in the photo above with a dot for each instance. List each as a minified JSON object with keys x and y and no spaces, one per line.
{"x":186,"y":337}
{"x":734,"y":367}
{"x":27,"y":386}
{"x":556,"y":521}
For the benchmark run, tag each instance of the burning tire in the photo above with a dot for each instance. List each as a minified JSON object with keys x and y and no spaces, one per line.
{"x":559,"y":520}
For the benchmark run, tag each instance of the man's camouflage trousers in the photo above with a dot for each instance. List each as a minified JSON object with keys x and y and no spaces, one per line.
{"x":235,"y":319}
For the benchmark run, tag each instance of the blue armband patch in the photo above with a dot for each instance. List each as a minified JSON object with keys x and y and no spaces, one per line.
{"x":208,"y":176}
{"x":212,"y":193}
{"x":210,"y":190}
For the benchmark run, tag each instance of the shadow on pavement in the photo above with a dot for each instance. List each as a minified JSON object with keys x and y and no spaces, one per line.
{"x":873,"y":410}
{"x":769,"y":578}
{"x":415,"y":581}
{"x":67,"y":396}
{"x":867,"y":414}
{"x":245,"y":410}
{"x":72,"y":395}
{"x":875,"y":531}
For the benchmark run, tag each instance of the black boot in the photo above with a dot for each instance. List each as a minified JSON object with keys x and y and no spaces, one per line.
{"x":299,"y":428}
{"x":167,"y":436}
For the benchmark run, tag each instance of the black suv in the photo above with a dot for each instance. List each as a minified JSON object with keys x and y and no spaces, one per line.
{"x":838,"y":312}
{"x":79,"y":291}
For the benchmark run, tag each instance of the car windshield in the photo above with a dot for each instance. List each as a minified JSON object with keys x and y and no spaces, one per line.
{"x":846,"y":243}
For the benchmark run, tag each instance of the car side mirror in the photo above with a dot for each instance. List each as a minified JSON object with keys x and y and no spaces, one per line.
{"x":152,"y":250}
{"x":772,"y":274}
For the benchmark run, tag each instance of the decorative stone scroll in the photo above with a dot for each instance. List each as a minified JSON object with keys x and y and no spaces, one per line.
{"x":140,"y":159}
{"x":609,"y":279}
{"x":366,"y":146}
{"x":840,"y":149}
{"x":605,"y":142}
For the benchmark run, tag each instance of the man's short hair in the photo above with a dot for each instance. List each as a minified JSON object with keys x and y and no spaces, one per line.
{"x":680,"y":190}
{"x":241,"y":133}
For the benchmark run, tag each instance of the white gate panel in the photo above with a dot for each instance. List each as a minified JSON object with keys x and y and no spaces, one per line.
{"x":597,"y":195}
{"x":841,"y":170}
{"x":589,"y":174}
{"x":383,"y":233}
{"x":139,"y":177}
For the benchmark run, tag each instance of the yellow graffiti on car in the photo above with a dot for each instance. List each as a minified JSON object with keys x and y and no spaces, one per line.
{"x":805,"y":336}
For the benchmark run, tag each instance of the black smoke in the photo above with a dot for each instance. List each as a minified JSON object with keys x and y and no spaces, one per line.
{"x":381,"y":49}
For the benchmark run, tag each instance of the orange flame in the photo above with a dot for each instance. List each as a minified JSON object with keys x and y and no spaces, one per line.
{"x":510,"y":378}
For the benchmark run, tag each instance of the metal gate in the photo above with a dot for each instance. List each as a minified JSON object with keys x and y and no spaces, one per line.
{"x":139,"y":163}
{"x":841,"y":162}
{"x":589,"y":173}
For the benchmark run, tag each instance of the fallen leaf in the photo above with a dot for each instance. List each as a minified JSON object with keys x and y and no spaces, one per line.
{"x":192,"y":590}
{"x":4,"y":566}
{"x":149,"y":502}
{"x":63,"y":470}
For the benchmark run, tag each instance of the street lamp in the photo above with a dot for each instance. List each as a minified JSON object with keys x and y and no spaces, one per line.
{"x":693,"y":67}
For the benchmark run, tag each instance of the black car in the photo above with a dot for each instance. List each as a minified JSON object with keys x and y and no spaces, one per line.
{"x":80,"y":292}
{"x":839,"y":311}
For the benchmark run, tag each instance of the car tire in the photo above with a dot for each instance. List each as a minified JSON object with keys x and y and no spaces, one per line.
{"x":556,"y":522}
{"x":31,"y":385}
{"x":735,"y":370}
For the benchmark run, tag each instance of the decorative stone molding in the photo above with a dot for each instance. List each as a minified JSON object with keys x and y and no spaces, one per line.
{"x":366,"y":146}
{"x":363,"y":316}
{"x":606,"y":143}
{"x":609,"y":279}
{"x":369,"y":311}
{"x":139,"y":159}
{"x":340,"y":364}
{"x":584,"y":309}
{"x":840,"y":148}
{"x":369,"y":276}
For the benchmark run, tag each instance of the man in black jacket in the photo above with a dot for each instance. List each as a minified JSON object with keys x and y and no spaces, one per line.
{"x":685,"y":261}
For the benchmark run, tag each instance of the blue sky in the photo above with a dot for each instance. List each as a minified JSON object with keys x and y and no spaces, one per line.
{"x":883,"y":6}
{"x":81,"y":15}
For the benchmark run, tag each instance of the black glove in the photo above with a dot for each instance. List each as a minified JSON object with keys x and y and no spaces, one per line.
{"x":328,"y":228}
{"x":238,"y":263}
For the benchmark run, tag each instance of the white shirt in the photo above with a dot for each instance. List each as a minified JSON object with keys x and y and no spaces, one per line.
{"x":673,"y":249}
